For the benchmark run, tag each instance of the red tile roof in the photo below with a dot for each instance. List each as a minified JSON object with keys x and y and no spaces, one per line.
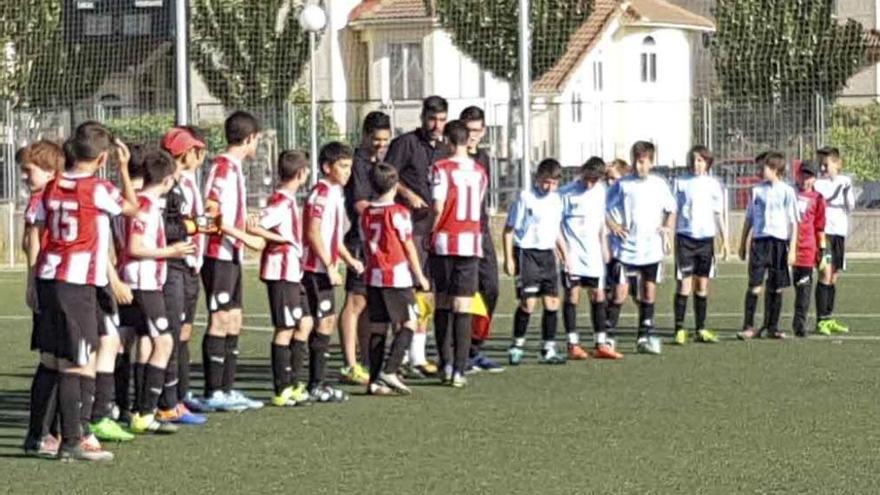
{"x":389,"y":10}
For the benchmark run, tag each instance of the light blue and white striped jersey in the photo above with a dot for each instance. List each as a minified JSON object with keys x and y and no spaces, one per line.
{"x":535,"y":219}
{"x":699,"y":199}
{"x":772,"y":210}
{"x":583,"y":219}
{"x":640,"y":205}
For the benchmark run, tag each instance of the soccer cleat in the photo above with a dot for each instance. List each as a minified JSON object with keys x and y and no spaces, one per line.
{"x":326,"y":393}
{"x":837,"y":327}
{"x":424,"y":370}
{"x":515,"y":355}
{"x":777,"y":334}
{"x":237,"y":397}
{"x":550,"y":356}
{"x":824,"y":327}
{"x":681,"y":337}
{"x":109,"y":431}
{"x":648,"y":345}
{"x":196,"y":404}
{"x":447,"y":375}
{"x":187,"y":417}
{"x":46,"y":447}
{"x":219,"y":401}
{"x":300,"y":395}
{"x":284,"y":399}
{"x":394,"y":381}
{"x":459,"y":380}
{"x":148,"y":423}
{"x":605,"y":351}
{"x":706,"y":337}
{"x":380,"y":388}
{"x":354,"y":375}
{"x":577,"y":353}
{"x":482,"y":363}
{"x":86,"y":450}
{"x":747,"y":333}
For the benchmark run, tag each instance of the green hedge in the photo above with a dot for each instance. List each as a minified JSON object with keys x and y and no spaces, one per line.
{"x":856,"y":131}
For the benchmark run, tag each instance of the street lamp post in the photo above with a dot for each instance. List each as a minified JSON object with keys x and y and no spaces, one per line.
{"x":313,"y":19}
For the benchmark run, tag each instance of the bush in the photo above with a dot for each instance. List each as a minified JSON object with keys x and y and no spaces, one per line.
{"x":855,"y":130}
{"x":149,"y":128}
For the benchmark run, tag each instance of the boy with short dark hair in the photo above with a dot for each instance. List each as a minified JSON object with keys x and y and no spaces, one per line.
{"x":530,"y":238}
{"x":459,"y":186}
{"x":39,"y":162}
{"x":771,"y":224}
{"x":641,"y":213}
{"x":584,"y":246}
{"x":72,"y":268}
{"x":810,"y":245}
{"x":353,"y":320}
{"x":280,"y":224}
{"x":145,"y":269}
{"x":391,"y":264}
{"x":700,"y":210}
{"x":324,"y":248}
{"x":836,"y":188}
{"x":226,"y":197}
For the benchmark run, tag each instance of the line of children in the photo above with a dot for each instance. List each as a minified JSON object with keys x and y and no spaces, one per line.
{"x":589,"y":234}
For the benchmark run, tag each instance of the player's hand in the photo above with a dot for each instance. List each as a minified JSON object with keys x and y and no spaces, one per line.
{"x":417,"y":202}
{"x":121,"y":293}
{"x":30,"y":297}
{"x":824,"y":260}
{"x":509,"y":267}
{"x":618,"y":230}
{"x":792,"y":257}
{"x":182,"y":249}
{"x":255,"y":243}
{"x":358,"y":267}
{"x":742,"y":252}
{"x":424,"y":284}
{"x":124,"y":155}
{"x":253,"y":221}
{"x":335,"y":277}
{"x":667,"y":239}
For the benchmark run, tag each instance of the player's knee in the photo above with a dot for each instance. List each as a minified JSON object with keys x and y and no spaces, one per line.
{"x":283,"y":336}
{"x":163,"y":345}
{"x":186,"y":332}
{"x":109,"y":345}
{"x":551,"y":303}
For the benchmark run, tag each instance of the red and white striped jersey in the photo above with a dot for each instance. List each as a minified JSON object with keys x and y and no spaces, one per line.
{"x":385,"y":227}
{"x":145,"y":273}
{"x":225,"y":186}
{"x":30,"y":212}
{"x":460,"y":185}
{"x":282,"y":217}
{"x":76,"y":211}
{"x":326,"y":204}
{"x":192,"y":208}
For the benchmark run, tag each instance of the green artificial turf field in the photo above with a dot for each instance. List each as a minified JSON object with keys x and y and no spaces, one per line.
{"x":757,"y":417}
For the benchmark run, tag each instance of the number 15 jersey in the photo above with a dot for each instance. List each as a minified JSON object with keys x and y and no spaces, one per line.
{"x":460,"y":185}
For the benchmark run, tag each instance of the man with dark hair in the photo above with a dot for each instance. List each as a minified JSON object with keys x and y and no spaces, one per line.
{"x":358,"y":194}
{"x":412,"y":155}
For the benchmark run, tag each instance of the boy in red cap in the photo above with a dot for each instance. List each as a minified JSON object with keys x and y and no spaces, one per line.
{"x":181,"y":290}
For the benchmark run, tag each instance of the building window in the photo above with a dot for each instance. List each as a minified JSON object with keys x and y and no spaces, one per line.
{"x":98,"y":25}
{"x":598,"y":82}
{"x":577,"y":108}
{"x":407,"y":71}
{"x":111,"y":107}
{"x":649,"y":60}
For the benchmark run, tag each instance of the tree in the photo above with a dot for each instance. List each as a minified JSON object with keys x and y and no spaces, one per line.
{"x":249,"y":52}
{"x":784,"y":50}
{"x":488,"y":31}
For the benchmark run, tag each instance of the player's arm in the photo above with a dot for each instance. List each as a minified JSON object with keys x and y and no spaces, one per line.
{"x":721,"y":225}
{"x":261,"y":225}
{"x":121,"y":291}
{"x":412,"y":257}
{"x":398,"y":156}
{"x":603,"y":242}
{"x":614,"y":212}
{"x":267,"y":235}
{"x":793,"y":219}
{"x":439,"y":190}
{"x":562,"y":251}
{"x":350,"y":260}
{"x":514,"y":219}
{"x":849,"y":198}
{"x":744,"y":237}
{"x":137,"y":249}
{"x":31,"y":242}
{"x":316,"y":242}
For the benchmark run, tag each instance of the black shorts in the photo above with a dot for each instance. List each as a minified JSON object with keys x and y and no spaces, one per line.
{"x":191,"y":288}
{"x":68,"y":321}
{"x":769,"y":255}
{"x":174,"y":292}
{"x":108,"y":319}
{"x":287,"y":303}
{"x":694,"y":257}
{"x":354,"y":283}
{"x":222,"y":280}
{"x":635,"y":274}
{"x":571,"y":281}
{"x":151,"y":318}
{"x":613,"y":274}
{"x":837,"y":249}
{"x":421,"y":244}
{"x":391,"y":305}
{"x":457,"y":276}
{"x":537,"y":273}
{"x":320,"y":295}
{"x":802,"y":276}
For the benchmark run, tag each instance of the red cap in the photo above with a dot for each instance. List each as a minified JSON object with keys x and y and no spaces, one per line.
{"x":179,"y":140}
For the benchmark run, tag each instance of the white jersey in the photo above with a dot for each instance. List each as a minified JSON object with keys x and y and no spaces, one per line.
{"x":772,"y":210}
{"x":699,"y":199}
{"x":839,"y":202}
{"x":640,"y":205}
{"x":535,"y":220}
{"x":583,"y":221}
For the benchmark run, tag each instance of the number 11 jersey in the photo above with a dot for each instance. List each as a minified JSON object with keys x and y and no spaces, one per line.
{"x":460,"y":184}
